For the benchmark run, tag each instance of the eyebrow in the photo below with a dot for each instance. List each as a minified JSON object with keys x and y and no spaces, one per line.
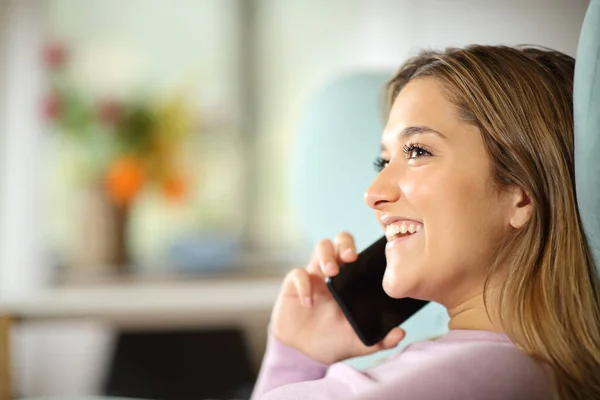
{"x":415,"y":130}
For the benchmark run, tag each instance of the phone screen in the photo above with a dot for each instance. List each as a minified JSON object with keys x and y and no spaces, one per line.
{"x":359,"y":292}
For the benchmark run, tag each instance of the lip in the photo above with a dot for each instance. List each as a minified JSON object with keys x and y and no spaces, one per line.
{"x":390,"y":219}
{"x":398,"y":240}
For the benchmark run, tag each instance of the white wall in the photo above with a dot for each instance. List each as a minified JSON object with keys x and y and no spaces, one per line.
{"x":395,"y":29}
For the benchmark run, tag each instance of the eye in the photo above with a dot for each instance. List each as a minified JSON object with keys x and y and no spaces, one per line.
{"x":415,"y":150}
{"x":380,"y":163}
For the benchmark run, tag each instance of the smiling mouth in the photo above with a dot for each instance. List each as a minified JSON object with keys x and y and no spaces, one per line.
{"x":402,"y":229}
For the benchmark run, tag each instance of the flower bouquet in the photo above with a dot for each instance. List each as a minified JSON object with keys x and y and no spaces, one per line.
{"x":127,"y":146}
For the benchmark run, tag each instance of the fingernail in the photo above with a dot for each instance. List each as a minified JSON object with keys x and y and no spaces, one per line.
{"x":348,"y":253}
{"x":331,"y":268}
{"x":308,"y":301}
{"x":323,"y":267}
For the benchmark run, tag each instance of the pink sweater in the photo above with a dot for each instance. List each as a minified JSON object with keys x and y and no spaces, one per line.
{"x":465,"y":365}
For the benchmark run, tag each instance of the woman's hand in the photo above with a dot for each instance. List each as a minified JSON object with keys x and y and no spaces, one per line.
{"x":307,"y":318}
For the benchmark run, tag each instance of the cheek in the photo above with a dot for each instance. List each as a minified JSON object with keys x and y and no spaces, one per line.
{"x":452,"y":205}
{"x":455,"y":209}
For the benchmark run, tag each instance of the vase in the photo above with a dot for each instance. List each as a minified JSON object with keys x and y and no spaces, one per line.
{"x":101,"y":234}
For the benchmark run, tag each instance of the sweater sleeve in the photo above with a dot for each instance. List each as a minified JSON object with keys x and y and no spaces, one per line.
{"x":283,"y":365}
{"x":479,"y":371}
{"x":484,"y":372}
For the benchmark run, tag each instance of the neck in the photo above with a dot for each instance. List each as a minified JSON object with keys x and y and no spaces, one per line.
{"x":471,"y":314}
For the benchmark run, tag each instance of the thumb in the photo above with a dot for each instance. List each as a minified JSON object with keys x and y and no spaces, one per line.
{"x":392,"y":339}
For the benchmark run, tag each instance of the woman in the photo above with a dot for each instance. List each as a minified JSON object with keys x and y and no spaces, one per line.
{"x":477,"y":155}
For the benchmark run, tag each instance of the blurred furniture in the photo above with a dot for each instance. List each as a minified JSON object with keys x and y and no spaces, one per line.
{"x":134,"y":306}
{"x":139,"y":303}
{"x":5,"y":375}
{"x":181,"y":365}
{"x":336,"y":144}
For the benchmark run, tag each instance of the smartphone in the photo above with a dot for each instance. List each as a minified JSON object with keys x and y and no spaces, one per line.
{"x":359,"y":292}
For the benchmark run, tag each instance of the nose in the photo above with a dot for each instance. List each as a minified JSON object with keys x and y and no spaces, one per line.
{"x":383,"y":190}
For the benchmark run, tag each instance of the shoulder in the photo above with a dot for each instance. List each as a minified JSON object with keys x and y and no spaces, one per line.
{"x":501,"y":370}
{"x":468,"y":370}
{"x":499,"y":358}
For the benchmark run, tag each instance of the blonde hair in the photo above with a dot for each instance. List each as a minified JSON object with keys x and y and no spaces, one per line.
{"x":521,"y":99}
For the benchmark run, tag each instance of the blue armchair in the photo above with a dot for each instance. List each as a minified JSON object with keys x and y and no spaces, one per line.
{"x":587,"y":126}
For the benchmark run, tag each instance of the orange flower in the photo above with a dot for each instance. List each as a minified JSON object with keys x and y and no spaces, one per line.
{"x":174,"y":187}
{"x":124,"y":179}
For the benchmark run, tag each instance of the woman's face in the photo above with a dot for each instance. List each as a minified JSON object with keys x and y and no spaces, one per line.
{"x":436,"y":182}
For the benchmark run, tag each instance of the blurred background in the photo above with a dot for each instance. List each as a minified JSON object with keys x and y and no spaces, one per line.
{"x":150,"y":198}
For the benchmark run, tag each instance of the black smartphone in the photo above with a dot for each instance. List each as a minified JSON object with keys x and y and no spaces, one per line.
{"x":359,"y":292}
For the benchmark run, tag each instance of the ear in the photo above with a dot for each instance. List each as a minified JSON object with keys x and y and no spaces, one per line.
{"x":521,"y":207}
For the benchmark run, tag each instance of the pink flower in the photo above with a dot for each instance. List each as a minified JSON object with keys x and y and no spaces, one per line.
{"x":55,"y":55}
{"x":52,"y":107}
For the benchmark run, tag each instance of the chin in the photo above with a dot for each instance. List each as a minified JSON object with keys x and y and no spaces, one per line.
{"x":399,"y":284}
{"x":407,"y":264}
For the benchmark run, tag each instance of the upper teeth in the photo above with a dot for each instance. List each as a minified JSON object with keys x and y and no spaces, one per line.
{"x":402,"y":228}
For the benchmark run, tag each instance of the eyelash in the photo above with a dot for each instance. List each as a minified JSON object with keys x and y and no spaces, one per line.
{"x":380,"y":164}
{"x":421,"y":151}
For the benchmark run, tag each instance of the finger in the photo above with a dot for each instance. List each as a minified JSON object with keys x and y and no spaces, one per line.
{"x":325,"y":253}
{"x":345,"y":247}
{"x":314,"y":265}
{"x":301,"y":282}
{"x":392,"y":339}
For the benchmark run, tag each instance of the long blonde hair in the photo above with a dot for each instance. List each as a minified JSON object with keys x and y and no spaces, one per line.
{"x":521,"y":99}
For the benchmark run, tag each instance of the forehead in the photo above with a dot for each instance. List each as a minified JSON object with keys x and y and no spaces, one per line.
{"x":422,"y":102}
